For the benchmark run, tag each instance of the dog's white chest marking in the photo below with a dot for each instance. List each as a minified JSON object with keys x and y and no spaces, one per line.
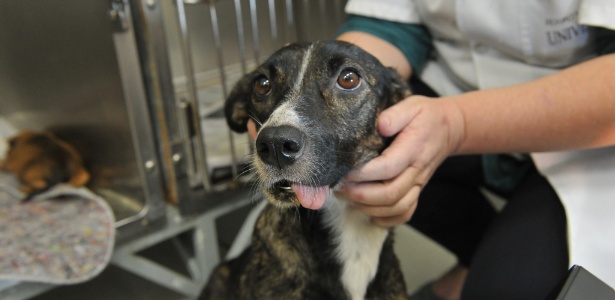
{"x":359,"y":243}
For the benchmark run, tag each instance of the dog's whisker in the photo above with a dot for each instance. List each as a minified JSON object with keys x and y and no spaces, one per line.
{"x":244,"y":172}
{"x":297,"y":213}
{"x":253,"y":117}
{"x":243,"y":144}
{"x":250,"y":166}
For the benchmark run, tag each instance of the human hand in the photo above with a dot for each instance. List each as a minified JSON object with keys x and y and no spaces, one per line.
{"x":387,"y":188}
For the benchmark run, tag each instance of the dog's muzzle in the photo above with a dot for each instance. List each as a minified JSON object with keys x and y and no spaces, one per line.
{"x":282,"y":148}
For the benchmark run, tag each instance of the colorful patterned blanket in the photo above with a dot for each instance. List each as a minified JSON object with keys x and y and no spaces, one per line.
{"x":63,"y":236}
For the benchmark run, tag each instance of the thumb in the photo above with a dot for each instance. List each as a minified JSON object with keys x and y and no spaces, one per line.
{"x":395,"y":118}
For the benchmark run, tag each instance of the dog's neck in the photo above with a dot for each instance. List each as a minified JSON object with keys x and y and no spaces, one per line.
{"x":358,"y":243}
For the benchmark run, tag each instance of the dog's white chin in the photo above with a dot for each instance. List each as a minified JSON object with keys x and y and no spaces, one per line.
{"x":311,"y":197}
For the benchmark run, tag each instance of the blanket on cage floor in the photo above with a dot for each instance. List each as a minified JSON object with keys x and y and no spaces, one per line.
{"x":62,"y":236}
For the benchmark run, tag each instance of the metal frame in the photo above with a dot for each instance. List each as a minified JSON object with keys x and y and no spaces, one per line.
{"x":205,"y":246}
{"x":140,"y":122}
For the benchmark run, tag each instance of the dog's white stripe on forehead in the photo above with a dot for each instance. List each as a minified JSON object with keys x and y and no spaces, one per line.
{"x":298,"y":82}
{"x":286,"y":114}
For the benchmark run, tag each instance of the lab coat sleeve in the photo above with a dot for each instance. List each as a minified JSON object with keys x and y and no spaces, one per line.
{"x":598,"y":13}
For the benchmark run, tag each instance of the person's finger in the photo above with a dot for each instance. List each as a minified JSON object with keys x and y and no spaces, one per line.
{"x":400,"y":208}
{"x":393,"y":119}
{"x":389,"y":164}
{"x":397,"y":219}
{"x":383,"y":167}
{"x":395,"y":158}
{"x":393,"y":221}
{"x":382,"y":193}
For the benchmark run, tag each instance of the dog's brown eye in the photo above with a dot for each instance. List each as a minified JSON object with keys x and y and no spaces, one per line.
{"x":348,"y":80}
{"x":262,"y":86}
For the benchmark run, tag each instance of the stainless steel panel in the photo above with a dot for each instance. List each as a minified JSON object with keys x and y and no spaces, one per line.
{"x":59,"y":70}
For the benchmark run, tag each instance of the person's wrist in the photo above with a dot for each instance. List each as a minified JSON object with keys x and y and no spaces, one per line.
{"x":454,"y":120}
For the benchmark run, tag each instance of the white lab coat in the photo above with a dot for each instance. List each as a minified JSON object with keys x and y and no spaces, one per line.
{"x":487,"y":44}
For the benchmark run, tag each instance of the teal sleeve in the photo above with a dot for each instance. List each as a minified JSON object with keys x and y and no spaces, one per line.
{"x":413,"y":40}
{"x":605,"y":41}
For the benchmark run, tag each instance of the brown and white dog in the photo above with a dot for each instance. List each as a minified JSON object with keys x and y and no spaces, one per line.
{"x":315,"y":106}
{"x":40,"y":160}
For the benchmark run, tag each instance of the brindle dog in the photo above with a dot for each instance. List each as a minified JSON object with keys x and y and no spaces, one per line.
{"x":315,"y":106}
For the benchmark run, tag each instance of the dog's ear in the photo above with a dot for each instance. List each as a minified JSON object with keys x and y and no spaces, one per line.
{"x":236,"y":106}
{"x":395,"y":87}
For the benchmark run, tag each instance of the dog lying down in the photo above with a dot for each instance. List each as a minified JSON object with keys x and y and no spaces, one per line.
{"x":40,"y":160}
{"x":315,"y":106}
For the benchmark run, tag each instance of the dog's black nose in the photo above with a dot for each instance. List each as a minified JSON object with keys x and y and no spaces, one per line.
{"x":279,"y":146}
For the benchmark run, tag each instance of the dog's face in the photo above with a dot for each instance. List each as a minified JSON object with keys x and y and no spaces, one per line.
{"x":315,"y":106}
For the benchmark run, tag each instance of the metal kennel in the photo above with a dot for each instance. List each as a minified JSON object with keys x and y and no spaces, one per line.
{"x":138,"y":87}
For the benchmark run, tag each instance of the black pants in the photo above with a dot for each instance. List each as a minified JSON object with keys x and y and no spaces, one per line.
{"x":518,"y":253}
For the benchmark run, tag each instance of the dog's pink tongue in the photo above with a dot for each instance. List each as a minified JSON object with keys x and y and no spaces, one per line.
{"x":311,"y":197}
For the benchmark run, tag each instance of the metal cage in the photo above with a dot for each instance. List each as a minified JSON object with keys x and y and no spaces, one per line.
{"x":138,"y":86}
